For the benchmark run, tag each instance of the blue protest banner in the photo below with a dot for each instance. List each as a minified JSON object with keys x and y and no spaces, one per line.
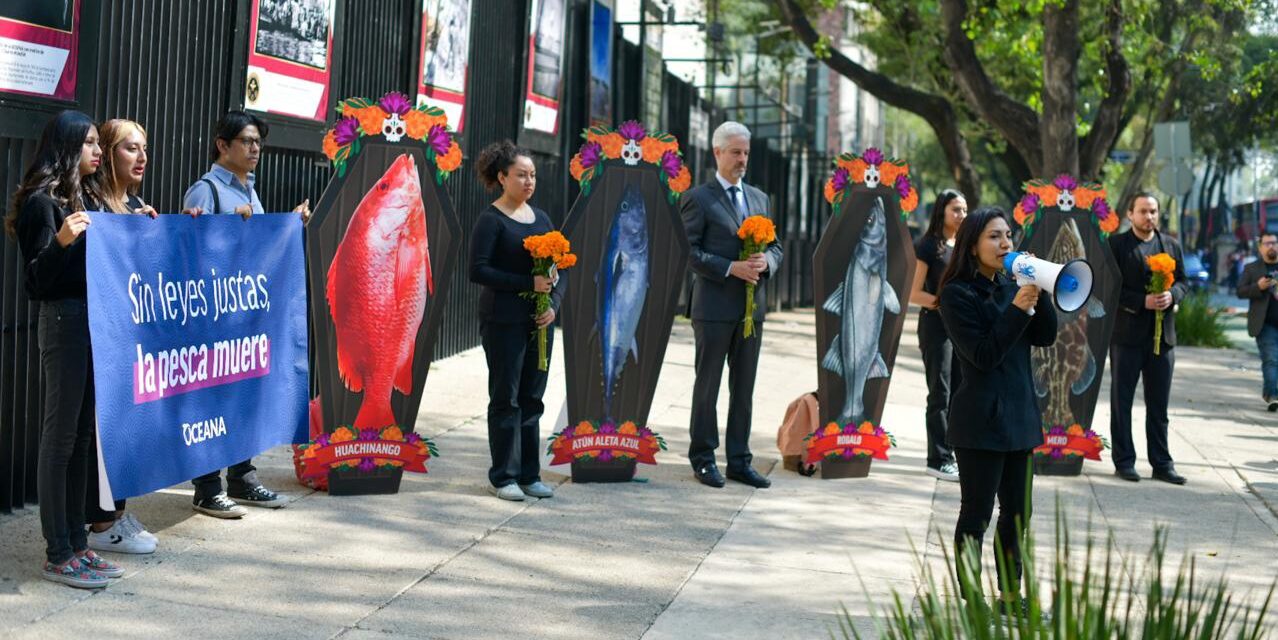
{"x":199,"y":343}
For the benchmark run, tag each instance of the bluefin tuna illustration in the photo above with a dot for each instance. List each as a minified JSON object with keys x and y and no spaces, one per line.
{"x":860,"y":301}
{"x":1068,"y":367}
{"x":623,"y":287}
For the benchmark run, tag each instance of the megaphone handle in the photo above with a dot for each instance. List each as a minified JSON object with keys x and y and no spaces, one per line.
{"x":1020,"y":283}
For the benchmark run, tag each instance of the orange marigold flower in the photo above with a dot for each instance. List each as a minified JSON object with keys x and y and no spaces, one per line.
{"x":1047,"y":194}
{"x":371,"y":119}
{"x":417,"y":124}
{"x":652,"y":149}
{"x":330,"y":145}
{"x":451,"y":160}
{"x":584,"y":428}
{"x":681,"y":182}
{"x":856,"y":170}
{"x":575,"y":169}
{"x":392,"y":433}
{"x":342,"y":435}
{"x":1084,"y":197}
{"x":830,"y":193}
{"x":628,"y":428}
{"x":1110,"y":224}
{"x":1074,"y":430}
{"x":566,"y":261}
{"x":911,"y":201}
{"x":831,"y":429}
{"x":611,"y":145}
{"x":888,"y":173}
{"x":757,"y":229}
{"x":866,"y":428}
{"x":1019,"y":214}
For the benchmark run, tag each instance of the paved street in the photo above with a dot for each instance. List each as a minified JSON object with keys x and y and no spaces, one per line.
{"x":667,"y":558}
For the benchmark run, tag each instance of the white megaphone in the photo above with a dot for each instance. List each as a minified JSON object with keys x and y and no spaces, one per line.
{"x":1070,"y":284}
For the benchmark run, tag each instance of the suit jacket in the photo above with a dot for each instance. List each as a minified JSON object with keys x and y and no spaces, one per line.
{"x":712,"y":223}
{"x":1258,"y":310}
{"x":995,"y":407}
{"x":1134,"y":324}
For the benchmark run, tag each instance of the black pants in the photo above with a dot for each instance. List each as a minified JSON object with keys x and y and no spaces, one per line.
{"x":983,"y":476}
{"x":66,"y":433}
{"x":93,"y":513}
{"x":240,"y":476}
{"x":717,"y":341}
{"x":942,"y":372}
{"x":1127,"y":364}
{"x":515,"y":388}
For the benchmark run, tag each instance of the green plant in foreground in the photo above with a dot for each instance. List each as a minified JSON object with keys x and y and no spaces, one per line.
{"x":1095,"y":598}
{"x":1199,"y":324}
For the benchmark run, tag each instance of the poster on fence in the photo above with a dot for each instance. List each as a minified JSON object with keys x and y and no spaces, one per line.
{"x":199,"y":343}
{"x":39,"y":46}
{"x":545,"y":65}
{"x":445,"y":49}
{"x":290,"y":57}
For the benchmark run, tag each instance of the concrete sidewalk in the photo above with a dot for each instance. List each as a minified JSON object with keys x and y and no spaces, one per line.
{"x":668,"y":558}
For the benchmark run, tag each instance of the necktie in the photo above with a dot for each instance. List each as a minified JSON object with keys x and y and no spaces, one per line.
{"x":734,"y":193}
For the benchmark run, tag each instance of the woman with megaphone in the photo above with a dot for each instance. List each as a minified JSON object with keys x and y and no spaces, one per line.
{"x":994,"y":420}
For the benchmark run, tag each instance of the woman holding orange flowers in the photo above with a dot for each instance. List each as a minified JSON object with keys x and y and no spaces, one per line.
{"x":500,"y":263}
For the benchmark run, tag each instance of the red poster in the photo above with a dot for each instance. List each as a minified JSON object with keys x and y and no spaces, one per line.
{"x":39,"y":47}
{"x":290,"y":57}
{"x":445,"y":50}
{"x":545,"y":64}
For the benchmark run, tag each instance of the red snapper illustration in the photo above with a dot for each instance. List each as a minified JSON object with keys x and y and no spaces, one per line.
{"x":377,"y":287}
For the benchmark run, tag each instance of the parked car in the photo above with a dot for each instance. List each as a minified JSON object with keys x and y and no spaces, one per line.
{"x":1196,"y":272}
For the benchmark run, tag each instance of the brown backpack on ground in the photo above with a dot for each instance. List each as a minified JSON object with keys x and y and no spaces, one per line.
{"x":802,"y":417}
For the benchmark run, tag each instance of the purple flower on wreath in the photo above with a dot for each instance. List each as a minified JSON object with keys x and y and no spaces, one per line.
{"x":847,"y":454}
{"x":1065,"y":182}
{"x":671,"y":163}
{"x":322,"y":440}
{"x":439,"y":139}
{"x":878,"y":431}
{"x":873,"y":156}
{"x":367,"y":464}
{"x":608,"y":427}
{"x":1100,"y":209}
{"x":1029,"y":203}
{"x":840,"y":179}
{"x":346,"y":131}
{"x":1089,"y":434}
{"x":1056,"y":430}
{"x":1057,"y":453}
{"x":396,"y":102}
{"x":903,"y":185}
{"x":412,"y":438}
{"x":632,"y":130}
{"x":605,"y":455}
{"x":591,"y":154}
{"x":369,"y":434}
{"x":645,"y":432}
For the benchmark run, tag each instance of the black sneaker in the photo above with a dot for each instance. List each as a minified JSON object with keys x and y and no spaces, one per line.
{"x":259,"y":496}
{"x":219,"y":506}
{"x":1018,"y":609}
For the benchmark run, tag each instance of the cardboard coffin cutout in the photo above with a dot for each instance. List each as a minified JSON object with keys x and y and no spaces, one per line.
{"x":381,"y":250}
{"x":620,"y":303}
{"x":1061,"y":221}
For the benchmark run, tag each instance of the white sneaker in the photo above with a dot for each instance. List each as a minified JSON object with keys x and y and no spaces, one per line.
{"x":132,"y":521}
{"x":120,"y":538}
{"x":537,"y":489}
{"x":510,"y":492}
{"x":948,"y":472}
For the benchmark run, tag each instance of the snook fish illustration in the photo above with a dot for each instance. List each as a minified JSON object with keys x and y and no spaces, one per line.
{"x":623,"y":287}
{"x":860,"y":301}
{"x":377,"y":287}
{"x":1067,"y":368}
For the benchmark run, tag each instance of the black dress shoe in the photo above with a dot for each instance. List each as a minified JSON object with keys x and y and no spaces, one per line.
{"x":709,"y":475}
{"x":749,"y":476}
{"x":1127,"y":474}
{"x":1170,"y":475}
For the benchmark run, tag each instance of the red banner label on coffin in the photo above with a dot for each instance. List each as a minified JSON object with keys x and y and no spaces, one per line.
{"x":643,"y":449}
{"x":356,"y":450}
{"x":1086,"y":446}
{"x":876,"y":446}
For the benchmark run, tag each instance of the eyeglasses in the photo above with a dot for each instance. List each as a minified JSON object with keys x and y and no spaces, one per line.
{"x":251,"y":142}
{"x":1269,"y":242}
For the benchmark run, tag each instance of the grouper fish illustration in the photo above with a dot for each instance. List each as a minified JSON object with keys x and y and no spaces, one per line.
{"x":623,"y":287}
{"x":860,"y":301}
{"x":377,"y":287}
{"x":1068,"y":367}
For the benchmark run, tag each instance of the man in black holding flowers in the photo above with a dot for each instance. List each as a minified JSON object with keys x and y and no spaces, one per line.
{"x":1132,"y":355}
{"x":712,"y":214}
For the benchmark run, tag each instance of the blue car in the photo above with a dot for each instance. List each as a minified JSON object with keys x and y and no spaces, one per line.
{"x":1195,"y":272}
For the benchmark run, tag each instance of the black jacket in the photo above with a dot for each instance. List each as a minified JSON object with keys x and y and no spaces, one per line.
{"x":1134,"y":324}
{"x":51,"y":271}
{"x":994,"y":407}
{"x":711,"y":222}
{"x":1258,"y":310}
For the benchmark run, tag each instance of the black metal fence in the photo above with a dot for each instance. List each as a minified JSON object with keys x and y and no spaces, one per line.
{"x":176,"y":67}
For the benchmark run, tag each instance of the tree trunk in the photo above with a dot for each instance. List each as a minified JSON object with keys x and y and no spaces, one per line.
{"x":1059,"y":131}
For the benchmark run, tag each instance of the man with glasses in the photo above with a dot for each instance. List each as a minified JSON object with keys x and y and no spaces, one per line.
{"x":1257,"y":285}
{"x":228,"y":187}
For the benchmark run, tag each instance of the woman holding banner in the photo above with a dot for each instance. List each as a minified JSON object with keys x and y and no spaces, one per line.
{"x":124,"y":160}
{"x":48,"y":220}
{"x":993,"y":323}
{"x":499,"y":262}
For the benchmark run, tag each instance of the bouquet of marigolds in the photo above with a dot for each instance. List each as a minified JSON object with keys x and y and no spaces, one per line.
{"x":757,"y":232}
{"x":1161,"y":268}
{"x":550,"y":251}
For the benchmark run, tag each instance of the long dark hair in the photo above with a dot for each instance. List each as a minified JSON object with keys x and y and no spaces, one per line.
{"x":963,"y":265}
{"x":936,"y":222}
{"x":56,"y":169}
{"x":496,"y":159}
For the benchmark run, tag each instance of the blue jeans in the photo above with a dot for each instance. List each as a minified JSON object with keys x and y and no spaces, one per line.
{"x":1267,"y":340}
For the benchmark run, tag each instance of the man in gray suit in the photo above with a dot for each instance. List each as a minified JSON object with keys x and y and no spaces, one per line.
{"x":1258,"y":286}
{"x":712,"y":214}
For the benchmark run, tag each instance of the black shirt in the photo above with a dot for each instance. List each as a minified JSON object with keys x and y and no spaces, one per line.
{"x":936,"y":254}
{"x":499,"y":262}
{"x":52,"y":272}
{"x":1271,"y":312}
